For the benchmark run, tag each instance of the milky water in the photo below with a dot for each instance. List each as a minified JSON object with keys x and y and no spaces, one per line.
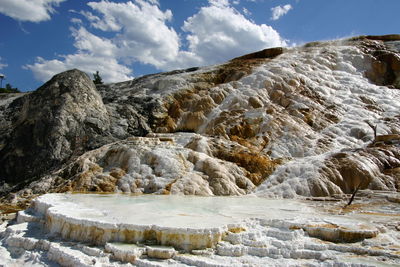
{"x":174,"y":211}
{"x":254,"y":231}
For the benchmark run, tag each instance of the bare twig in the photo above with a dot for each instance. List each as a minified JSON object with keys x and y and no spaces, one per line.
{"x":353,"y":195}
{"x":374,"y":127}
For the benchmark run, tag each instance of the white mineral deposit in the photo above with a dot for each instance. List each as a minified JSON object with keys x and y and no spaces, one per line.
{"x":157,"y":230}
{"x":248,"y":163}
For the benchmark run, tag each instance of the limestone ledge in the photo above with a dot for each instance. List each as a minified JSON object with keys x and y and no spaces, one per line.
{"x":76,"y":222}
{"x":60,"y":220}
{"x":281,"y":233}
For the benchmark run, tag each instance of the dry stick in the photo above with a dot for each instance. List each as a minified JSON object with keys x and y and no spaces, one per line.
{"x":353,"y":195}
{"x":374,"y":127}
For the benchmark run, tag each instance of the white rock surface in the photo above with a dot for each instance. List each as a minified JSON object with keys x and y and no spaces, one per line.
{"x":294,"y":126}
{"x":250,"y":231}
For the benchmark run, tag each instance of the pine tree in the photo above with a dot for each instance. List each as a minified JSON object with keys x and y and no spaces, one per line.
{"x":9,"y":89}
{"x":97,"y":78}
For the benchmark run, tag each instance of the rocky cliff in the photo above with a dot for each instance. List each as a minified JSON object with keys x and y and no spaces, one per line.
{"x":317,"y":120}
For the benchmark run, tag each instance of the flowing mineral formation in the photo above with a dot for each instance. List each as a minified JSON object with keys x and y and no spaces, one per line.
{"x":316,"y":122}
{"x":159,"y":230}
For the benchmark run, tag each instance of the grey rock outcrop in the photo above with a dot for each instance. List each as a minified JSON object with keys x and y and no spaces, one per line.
{"x":63,"y":118}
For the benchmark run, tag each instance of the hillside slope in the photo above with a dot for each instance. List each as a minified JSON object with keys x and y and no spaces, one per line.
{"x":282,"y":122}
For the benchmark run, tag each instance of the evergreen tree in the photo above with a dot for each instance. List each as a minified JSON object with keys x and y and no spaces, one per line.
{"x":9,"y":89}
{"x":97,"y":78}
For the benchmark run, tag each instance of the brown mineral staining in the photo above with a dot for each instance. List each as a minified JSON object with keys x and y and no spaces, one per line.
{"x":9,"y":208}
{"x":191,"y":121}
{"x":254,"y":102}
{"x":244,"y":130}
{"x":385,"y":64}
{"x":345,"y":171}
{"x":352,"y":208}
{"x":99,"y":235}
{"x":107,"y":184}
{"x":246,"y":155}
{"x":259,"y":167}
{"x":331,"y":226}
{"x":379,"y":214}
{"x":161,"y":252}
{"x":388,"y":138}
{"x":236,"y":230}
{"x":168,"y":187}
{"x":266,"y":53}
{"x":388,"y":37}
{"x":234,"y":70}
{"x":67,"y":187}
{"x":334,"y":233}
{"x":93,"y":179}
{"x":187,"y":109}
{"x":117,"y":173}
{"x":174,"y":109}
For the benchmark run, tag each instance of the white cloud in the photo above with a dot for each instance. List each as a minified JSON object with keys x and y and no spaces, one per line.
{"x":93,"y":54}
{"x":279,"y":11}
{"x":219,"y":3}
{"x":76,"y":21}
{"x":219,"y":32}
{"x":154,"y":2}
{"x":89,"y":43}
{"x":246,"y":11}
{"x":2,"y":65}
{"x":29,"y":10}
{"x":140,"y":33}
{"x":109,"y":68}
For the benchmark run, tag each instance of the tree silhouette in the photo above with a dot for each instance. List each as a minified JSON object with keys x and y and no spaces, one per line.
{"x":97,"y":78}
{"x":9,"y":89}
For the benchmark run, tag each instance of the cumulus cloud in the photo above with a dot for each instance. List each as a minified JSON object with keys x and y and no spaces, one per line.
{"x":138,"y":32}
{"x":93,"y":54}
{"x":29,"y":10}
{"x":143,"y":33}
{"x":89,"y":43}
{"x":219,"y":32}
{"x":279,"y":11}
{"x":109,"y":68}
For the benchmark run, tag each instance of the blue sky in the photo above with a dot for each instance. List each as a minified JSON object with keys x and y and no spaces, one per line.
{"x":126,"y":39}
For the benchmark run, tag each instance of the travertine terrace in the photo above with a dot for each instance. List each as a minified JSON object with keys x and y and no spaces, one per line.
{"x":294,"y":125}
{"x":159,"y":230}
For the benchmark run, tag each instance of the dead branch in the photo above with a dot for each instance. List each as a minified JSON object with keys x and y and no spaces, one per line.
{"x":353,"y":195}
{"x":374,"y":128}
